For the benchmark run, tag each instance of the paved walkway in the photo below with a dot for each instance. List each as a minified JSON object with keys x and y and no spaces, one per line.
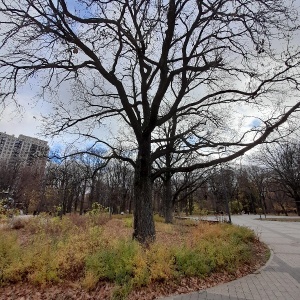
{"x":278,"y":280}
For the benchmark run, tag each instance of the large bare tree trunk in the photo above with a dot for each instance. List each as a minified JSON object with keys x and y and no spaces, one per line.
{"x":144,"y":228}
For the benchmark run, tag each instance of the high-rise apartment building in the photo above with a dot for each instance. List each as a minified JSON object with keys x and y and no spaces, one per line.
{"x":23,"y":149}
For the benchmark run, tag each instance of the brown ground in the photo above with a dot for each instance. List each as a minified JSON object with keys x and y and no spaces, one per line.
{"x":71,"y":290}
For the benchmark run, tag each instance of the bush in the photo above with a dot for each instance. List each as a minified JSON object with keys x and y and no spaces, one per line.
{"x":236,"y":207}
{"x":42,"y":262}
{"x":17,"y":223}
{"x":58,"y":250}
{"x":158,"y":218}
{"x":160,"y":263}
{"x":10,"y":258}
{"x":114,"y":262}
{"x":191,"y":263}
{"x":128,"y":222}
{"x":215,"y":248}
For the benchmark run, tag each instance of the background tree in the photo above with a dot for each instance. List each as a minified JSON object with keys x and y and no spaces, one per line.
{"x":186,"y":186}
{"x":280,"y":201}
{"x":179,"y":152}
{"x":247,"y":191}
{"x":223,"y":187}
{"x":94,"y":187}
{"x":283,"y":159}
{"x":259,"y":178}
{"x":28,"y":188}
{"x":119,"y":179}
{"x":22,"y":182}
{"x":9,"y":173}
{"x":145,"y":62}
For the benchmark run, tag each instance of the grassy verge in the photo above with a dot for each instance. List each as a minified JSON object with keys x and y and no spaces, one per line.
{"x":93,"y":250}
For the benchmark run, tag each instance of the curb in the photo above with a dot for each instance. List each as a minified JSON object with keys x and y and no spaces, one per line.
{"x":266,"y":264}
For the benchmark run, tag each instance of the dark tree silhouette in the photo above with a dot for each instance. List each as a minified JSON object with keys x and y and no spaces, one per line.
{"x":143,"y":63}
{"x":284,"y":161}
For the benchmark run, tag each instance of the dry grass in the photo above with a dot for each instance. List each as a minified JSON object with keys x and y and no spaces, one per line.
{"x":98,"y":255}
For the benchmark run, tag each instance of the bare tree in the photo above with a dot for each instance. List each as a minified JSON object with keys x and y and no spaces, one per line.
{"x":93,"y":168}
{"x":259,"y":179}
{"x":9,"y":174}
{"x":119,"y":181}
{"x":223,"y":187}
{"x":178,"y":153}
{"x":145,"y":62}
{"x":247,"y":192}
{"x":22,"y":182}
{"x":283,"y":160}
{"x":279,"y":199}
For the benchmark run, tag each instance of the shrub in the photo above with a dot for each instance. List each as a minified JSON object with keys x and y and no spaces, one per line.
{"x":56,"y":250}
{"x":59,"y":249}
{"x":141,"y":272}
{"x":236,"y":207}
{"x":10,"y":255}
{"x":41,"y":258}
{"x":189,"y":262}
{"x":214,"y":248}
{"x":160,"y":263}
{"x":158,"y":218}
{"x":120,"y":292}
{"x":128,"y":222}
{"x":114,"y":262}
{"x":17,"y":223}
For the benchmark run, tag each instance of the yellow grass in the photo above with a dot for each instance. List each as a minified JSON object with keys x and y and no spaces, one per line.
{"x":91,"y":249}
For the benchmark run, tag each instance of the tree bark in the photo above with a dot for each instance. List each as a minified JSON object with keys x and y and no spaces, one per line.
{"x":297,"y":201}
{"x":283,"y":209}
{"x":168,"y":200}
{"x":190,"y":202}
{"x":82,"y":198}
{"x":143,"y":228}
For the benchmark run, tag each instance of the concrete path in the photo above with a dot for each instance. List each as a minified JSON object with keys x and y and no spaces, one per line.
{"x":278,"y":280}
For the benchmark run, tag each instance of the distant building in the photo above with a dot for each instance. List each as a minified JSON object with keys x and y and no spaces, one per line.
{"x":23,"y":149}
